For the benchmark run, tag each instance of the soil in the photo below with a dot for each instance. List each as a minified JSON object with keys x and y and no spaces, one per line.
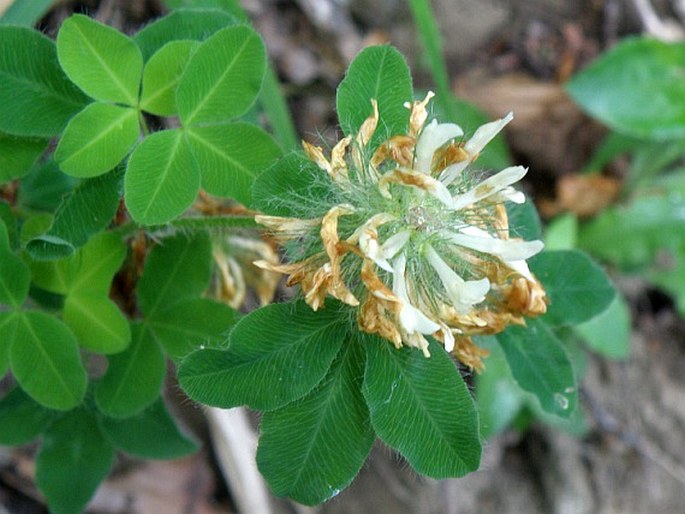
{"x":502,"y":55}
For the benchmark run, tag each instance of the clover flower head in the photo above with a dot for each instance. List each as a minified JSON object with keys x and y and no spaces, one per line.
{"x":414,"y":238}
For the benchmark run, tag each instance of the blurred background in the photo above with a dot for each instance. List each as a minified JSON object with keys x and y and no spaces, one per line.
{"x":598,"y":92}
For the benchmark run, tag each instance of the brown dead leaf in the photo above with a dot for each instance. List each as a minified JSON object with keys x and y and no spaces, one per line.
{"x":549,"y":130}
{"x":583,"y":195}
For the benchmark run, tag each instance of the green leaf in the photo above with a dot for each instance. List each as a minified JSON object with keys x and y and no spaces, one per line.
{"x":231,"y":156}
{"x":273,"y":101}
{"x":14,"y":275}
{"x":540,"y":365}
{"x":7,"y":326}
{"x":186,"y":326}
{"x":89,"y":271}
{"x":276,"y":354}
{"x":222,"y":78}
{"x":11,"y":229}
{"x":578,"y":289}
{"x":607,"y":88}
{"x":97,"y":322}
{"x":194,"y":24}
{"x":524,"y":221}
{"x":134,"y":377}
{"x":44,"y":188}
{"x":18,"y":155}
{"x":87,"y":210}
{"x":631,"y":235}
{"x":46,"y":362}
{"x":609,"y":332}
{"x":97,"y":139}
{"x":312,"y":448}
{"x":97,"y":263}
{"x":380,"y":73}
{"x":562,"y":232}
{"x":152,"y":434}
{"x":421,"y":407}
{"x":22,"y":419}
{"x":38,"y":99}
{"x":499,"y":397}
{"x":293,"y":176}
{"x":25,"y":13}
{"x":176,"y":270}
{"x":103,"y":62}
{"x":162,"y":179}
{"x":73,"y":459}
{"x":161,"y":75}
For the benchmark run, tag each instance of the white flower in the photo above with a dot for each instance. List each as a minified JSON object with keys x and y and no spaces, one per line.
{"x":414,"y":240}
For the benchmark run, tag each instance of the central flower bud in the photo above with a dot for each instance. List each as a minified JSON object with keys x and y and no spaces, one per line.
{"x":414,"y":239}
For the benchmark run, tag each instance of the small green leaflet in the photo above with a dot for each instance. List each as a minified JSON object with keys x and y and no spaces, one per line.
{"x":222,"y":78}
{"x":97,"y":139}
{"x":21,"y":418}
{"x":176,"y":270}
{"x":162,"y":74}
{"x":14,"y":275}
{"x":162,"y":179}
{"x":38,"y":99}
{"x":380,"y":73}
{"x":609,"y":332}
{"x":499,"y":397}
{"x":44,"y":188}
{"x":103,"y":62}
{"x":276,"y":354}
{"x":176,"y":274}
{"x":230,"y":156}
{"x":152,"y":434}
{"x":312,"y":448}
{"x":577,"y":288}
{"x":45,"y":360}
{"x":540,"y":365}
{"x":25,"y":13}
{"x":72,"y":461}
{"x":193,"y":24}
{"x":421,"y":407}
{"x":183,"y":327}
{"x":88,"y":209}
{"x":85,"y":279}
{"x":293,"y":176}
{"x":18,"y":155}
{"x":607,"y":88}
{"x":134,"y":377}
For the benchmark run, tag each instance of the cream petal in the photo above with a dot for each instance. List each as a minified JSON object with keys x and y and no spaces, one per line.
{"x":509,"y":194}
{"x":489,"y":186}
{"x":394,"y":244}
{"x":485,"y":133}
{"x":433,"y":136}
{"x":367,"y":238}
{"x":462,"y":293}
{"x":506,"y":249}
{"x":521,"y":267}
{"x":448,"y":338}
{"x":411,"y":318}
{"x":452,"y":172}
